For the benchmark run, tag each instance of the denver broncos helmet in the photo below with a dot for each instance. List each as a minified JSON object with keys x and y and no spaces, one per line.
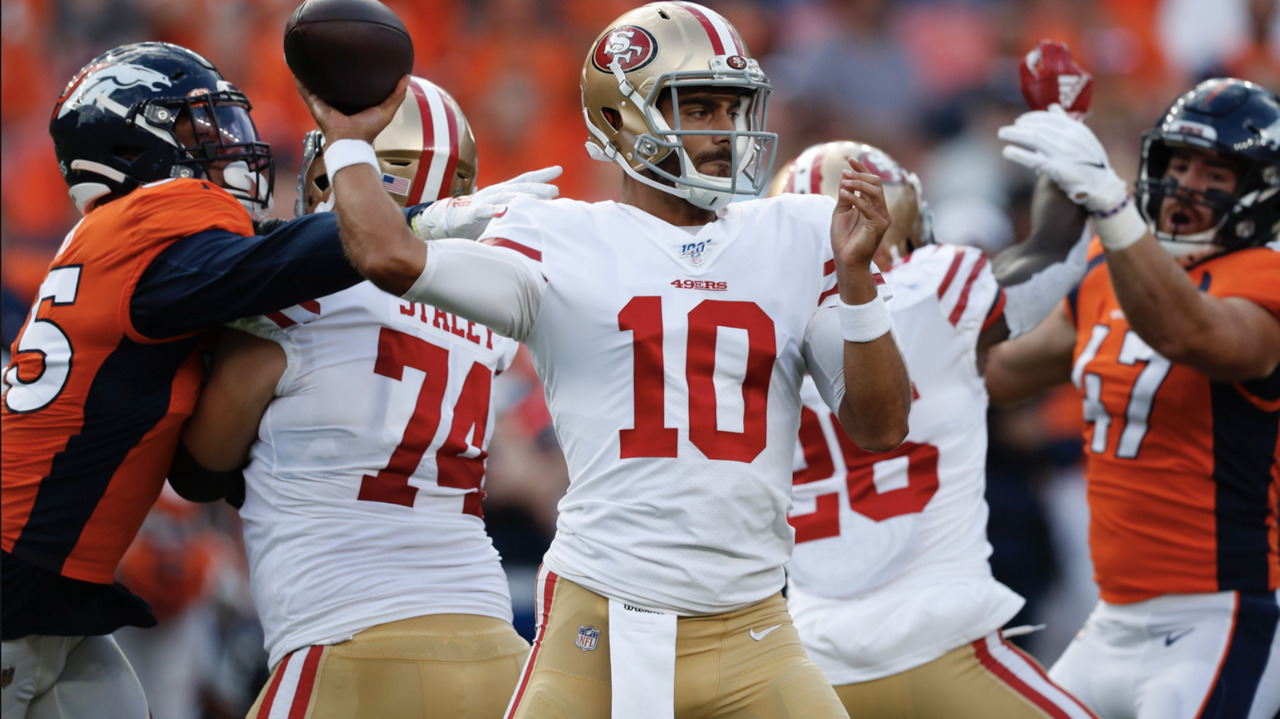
{"x":1238,"y":120}
{"x":665,"y":47}
{"x":118,"y":122}
{"x":816,"y":171}
{"x":427,"y":153}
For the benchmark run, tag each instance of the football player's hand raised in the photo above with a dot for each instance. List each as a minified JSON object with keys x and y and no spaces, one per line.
{"x":364,"y":125}
{"x":468,"y":216}
{"x":860,"y":219}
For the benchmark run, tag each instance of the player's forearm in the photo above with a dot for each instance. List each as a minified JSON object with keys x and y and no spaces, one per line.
{"x":1057,"y":226}
{"x":374,"y":233}
{"x":877,"y":395}
{"x":1159,"y":300}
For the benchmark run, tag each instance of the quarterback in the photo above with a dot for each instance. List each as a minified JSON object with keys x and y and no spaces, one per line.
{"x":672,"y":331}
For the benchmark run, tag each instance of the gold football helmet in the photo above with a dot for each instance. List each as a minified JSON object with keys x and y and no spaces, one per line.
{"x":816,"y":171}
{"x":663,"y":47}
{"x":427,"y":153}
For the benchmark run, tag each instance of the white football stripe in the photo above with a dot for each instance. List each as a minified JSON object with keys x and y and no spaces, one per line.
{"x":439,"y":140}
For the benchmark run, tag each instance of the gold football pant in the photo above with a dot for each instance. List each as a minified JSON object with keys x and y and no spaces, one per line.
{"x":986,"y":679}
{"x":440,"y":666}
{"x":745,"y":664}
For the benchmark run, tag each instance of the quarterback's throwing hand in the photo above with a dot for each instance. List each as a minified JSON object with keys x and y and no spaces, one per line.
{"x":468,"y":216}
{"x":861,"y":216}
{"x":1050,"y":142}
{"x":364,"y":125}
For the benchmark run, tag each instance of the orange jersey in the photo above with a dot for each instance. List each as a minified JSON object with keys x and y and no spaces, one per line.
{"x":94,"y":409}
{"x":1183,"y":472}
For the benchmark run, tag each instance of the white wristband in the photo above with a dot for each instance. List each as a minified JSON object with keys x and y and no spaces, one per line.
{"x":1120,"y":227}
{"x":345,"y":153}
{"x":865,"y":322}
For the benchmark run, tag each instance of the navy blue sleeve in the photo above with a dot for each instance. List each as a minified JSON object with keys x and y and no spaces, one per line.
{"x":217,"y":276}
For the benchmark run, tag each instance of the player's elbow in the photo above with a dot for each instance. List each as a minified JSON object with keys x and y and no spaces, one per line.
{"x":394,"y":269}
{"x":882,"y":433}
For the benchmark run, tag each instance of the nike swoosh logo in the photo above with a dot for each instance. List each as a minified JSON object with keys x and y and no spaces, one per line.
{"x":1099,"y":165}
{"x":1175,"y":636}
{"x":761,"y":635}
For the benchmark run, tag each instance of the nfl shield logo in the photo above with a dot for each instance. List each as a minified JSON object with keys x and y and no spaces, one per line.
{"x":588,"y":637}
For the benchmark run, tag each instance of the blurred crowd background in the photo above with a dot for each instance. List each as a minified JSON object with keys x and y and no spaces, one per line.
{"x":929,"y":81}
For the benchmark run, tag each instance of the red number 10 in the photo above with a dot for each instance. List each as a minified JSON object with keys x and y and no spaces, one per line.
{"x":650,"y":437}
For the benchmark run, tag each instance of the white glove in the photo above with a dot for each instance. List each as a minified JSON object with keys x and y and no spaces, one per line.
{"x":468,"y":216}
{"x":1067,"y":151}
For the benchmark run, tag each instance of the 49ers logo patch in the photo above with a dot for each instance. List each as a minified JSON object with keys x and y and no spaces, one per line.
{"x":630,"y":46}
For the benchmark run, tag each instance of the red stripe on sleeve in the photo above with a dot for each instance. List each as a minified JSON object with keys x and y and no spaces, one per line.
{"x":823,"y":297}
{"x":280,"y":319}
{"x":716,"y":45}
{"x":310,"y":305}
{"x":828,"y":268}
{"x":997,"y":310}
{"x":964,"y":293}
{"x":951,"y":273}
{"x":529,"y":252}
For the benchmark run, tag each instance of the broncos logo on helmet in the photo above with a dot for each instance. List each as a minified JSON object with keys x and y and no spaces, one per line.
{"x":122,"y":119}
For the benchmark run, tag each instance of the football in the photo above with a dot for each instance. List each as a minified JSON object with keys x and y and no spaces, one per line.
{"x":1049,"y":75}
{"x":350,"y":53}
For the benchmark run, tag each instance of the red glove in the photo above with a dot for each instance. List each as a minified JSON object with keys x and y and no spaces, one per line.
{"x":1049,"y":75}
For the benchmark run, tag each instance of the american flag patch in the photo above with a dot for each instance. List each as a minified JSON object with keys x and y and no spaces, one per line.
{"x":395,"y":185}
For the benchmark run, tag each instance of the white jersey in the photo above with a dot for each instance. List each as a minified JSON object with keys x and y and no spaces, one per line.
{"x":672,"y":362}
{"x":362,"y":501}
{"x":890,"y":568}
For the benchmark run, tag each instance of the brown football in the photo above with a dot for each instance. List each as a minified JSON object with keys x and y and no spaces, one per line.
{"x":350,"y":53}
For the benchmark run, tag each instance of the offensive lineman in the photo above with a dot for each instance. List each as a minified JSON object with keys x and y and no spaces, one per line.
{"x":365,"y":419}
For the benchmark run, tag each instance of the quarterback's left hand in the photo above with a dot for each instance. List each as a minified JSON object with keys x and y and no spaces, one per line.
{"x":861,"y":217}
{"x":1067,"y":151}
{"x":468,"y":216}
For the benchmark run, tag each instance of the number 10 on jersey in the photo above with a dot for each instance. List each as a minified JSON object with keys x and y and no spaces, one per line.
{"x":650,"y":437}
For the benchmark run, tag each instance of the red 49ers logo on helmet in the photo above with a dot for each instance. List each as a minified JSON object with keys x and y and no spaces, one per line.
{"x":630,"y":46}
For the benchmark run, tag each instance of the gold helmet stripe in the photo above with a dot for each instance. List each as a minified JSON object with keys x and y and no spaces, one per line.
{"x":718,"y":29}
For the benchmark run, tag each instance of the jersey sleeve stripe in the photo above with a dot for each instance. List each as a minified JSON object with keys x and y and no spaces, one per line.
{"x":996,"y":311}
{"x":963,"y":302}
{"x":281,"y":319}
{"x":828,"y":268}
{"x":951,"y":274}
{"x":529,"y":252}
{"x":823,"y":297}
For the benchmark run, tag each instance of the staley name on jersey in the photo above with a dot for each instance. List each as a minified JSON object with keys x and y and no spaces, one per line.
{"x":448,"y":322}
